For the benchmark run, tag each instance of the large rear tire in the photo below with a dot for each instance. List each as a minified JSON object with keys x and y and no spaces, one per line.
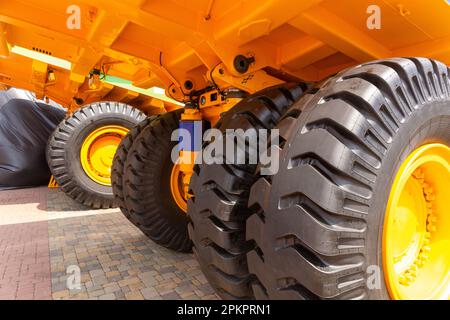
{"x":81,"y":150}
{"x":147,"y":193}
{"x":119,"y":164}
{"x":218,"y":208}
{"x":322,"y":225}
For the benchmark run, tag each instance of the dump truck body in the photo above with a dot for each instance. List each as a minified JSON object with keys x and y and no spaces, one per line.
{"x":362,"y":182}
{"x":166,"y":44}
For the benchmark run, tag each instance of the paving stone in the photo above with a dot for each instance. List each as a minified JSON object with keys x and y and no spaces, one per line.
{"x":125,"y":289}
{"x":184,"y":289}
{"x":148,"y":279}
{"x":97,"y":272}
{"x":115,"y":278}
{"x":134,"y":295}
{"x":171,"y":296}
{"x":119,"y":295}
{"x":111,"y":287}
{"x":59,"y":286}
{"x":110,"y":274}
{"x":206,"y":289}
{"x":116,"y":260}
{"x":93,"y":289}
{"x":109,"y":296}
{"x":149,"y":293}
{"x":96,"y":293}
{"x":128,"y":281}
{"x":168,"y":269}
{"x":60,"y":294}
{"x":99,"y":280}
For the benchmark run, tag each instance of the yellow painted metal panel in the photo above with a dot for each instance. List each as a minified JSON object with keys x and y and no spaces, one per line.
{"x":165,"y":43}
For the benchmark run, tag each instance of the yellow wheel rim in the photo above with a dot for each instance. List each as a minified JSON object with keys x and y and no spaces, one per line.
{"x":416,"y":233}
{"x":177,"y":187}
{"x":98,"y":150}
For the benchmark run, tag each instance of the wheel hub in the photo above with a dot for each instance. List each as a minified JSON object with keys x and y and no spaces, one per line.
{"x":98,"y":150}
{"x":416,"y":235}
{"x":178,"y":187}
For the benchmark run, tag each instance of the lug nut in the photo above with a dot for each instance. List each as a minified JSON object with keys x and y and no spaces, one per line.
{"x":418,"y":174}
{"x":428,"y":190}
{"x":430,"y":197}
{"x":403,"y":280}
{"x":419,"y":263}
{"x":424,"y":256}
{"x":432,"y":218}
{"x":426,"y":249}
{"x":410,"y":278}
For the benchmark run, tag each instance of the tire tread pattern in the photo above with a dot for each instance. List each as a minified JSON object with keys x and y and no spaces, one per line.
{"x":218,"y":208}
{"x":310,"y":220}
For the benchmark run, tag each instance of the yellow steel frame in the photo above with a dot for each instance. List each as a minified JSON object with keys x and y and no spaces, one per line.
{"x":165,"y":43}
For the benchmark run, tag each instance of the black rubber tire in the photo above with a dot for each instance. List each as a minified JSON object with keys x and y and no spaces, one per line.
{"x":320,"y":219}
{"x":63,"y":150}
{"x":218,"y":208}
{"x":119,"y":163}
{"x":147,"y":193}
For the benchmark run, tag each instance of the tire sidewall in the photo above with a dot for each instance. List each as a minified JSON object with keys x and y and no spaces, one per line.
{"x":429,"y":124}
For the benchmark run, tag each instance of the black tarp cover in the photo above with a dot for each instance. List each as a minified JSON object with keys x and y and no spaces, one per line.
{"x":25,"y":127}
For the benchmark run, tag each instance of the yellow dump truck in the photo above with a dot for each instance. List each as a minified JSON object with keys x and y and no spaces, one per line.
{"x":357,"y":207}
{"x":36,"y":69}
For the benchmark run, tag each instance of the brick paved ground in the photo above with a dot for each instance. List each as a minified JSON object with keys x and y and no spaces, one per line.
{"x":45,"y":238}
{"x":25,"y":263}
